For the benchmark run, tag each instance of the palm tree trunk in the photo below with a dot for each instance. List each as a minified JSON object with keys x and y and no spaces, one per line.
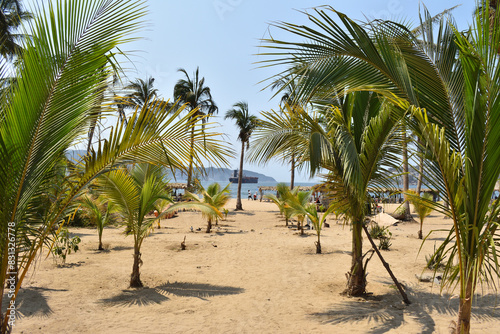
{"x":356,"y":282}
{"x":100,"y":241}
{"x":318,"y":246}
{"x":406,"y":177}
{"x":239,"y":206}
{"x":135,"y":278}
{"x":209,"y":225}
{"x":420,"y":172}
{"x":190,"y":168}
{"x":292,"y":174}
{"x":465,"y":309}
{"x":420,"y":236}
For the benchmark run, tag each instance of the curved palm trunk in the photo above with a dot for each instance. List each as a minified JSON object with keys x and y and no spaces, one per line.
{"x":420,"y":172}
{"x":465,"y":309}
{"x":135,"y":278}
{"x":239,"y":206}
{"x":292,"y":173}
{"x":356,"y":282}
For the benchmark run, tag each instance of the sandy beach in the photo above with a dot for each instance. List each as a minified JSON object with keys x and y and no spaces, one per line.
{"x":250,"y":275}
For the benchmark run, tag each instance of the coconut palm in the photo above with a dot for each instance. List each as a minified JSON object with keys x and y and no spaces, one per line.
{"x":288,"y":86}
{"x":298,"y":201}
{"x":215,"y":198}
{"x":141,"y":92}
{"x":134,"y":193}
{"x":282,"y":191}
{"x":198,"y":97}
{"x":246,"y":124}
{"x":443,"y":78}
{"x":422,"y":205}
{"x":355,"y":143}
{"x":12,"y":16}
{"x":48,"y":111}
{"x":98,"y":212}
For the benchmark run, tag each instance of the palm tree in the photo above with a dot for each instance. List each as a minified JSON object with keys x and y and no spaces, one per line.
{"x":134,"y":194}
{"x":297,"y":201}
{"x":12,"y":17}
{"x":99,"y":213}
{"x":141,"y":92}
{"x":423,"y":207}
{"x":48,"y":111}
{"x":282,"y":191}
{"x":288,"y":86}
{"x":214,"y":197}
{"x":246,"y":123}
{"x":198,"y":97}
{"x":355,"y":143}
{"x":447,"y":74}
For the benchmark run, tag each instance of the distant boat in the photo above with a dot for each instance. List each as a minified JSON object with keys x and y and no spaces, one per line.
{"x":244,"y":179}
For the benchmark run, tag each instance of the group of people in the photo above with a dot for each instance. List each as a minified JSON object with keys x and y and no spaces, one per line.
{"x":254,"y":197}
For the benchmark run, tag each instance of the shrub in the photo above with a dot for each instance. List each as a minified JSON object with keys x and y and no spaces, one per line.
{"x":64,"y":245}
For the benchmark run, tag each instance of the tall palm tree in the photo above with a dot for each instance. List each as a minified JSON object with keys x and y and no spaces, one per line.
{"x":140,"y":92}
{"x":288,"y":86}
{"x":48,"y":111}
{"x":198,"y":97}
{"x":134,"y":194}
{"x":12,"y":16}
{"x":442,"y":78}
{"x":246,"y":124}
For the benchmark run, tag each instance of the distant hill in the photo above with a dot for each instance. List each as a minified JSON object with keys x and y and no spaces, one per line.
{"x":213,"y":174}
{"x":223,"y":175}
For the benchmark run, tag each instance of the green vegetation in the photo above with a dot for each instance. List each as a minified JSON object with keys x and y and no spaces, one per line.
{"x":423,"y":207}
{"x":98,"y":212}
{"x":60,"y":79}
{"x":64,"y":244}
{"x":446,"y":82}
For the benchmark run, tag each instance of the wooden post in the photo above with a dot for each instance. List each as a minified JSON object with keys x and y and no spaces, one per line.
{"x":386,"y":265}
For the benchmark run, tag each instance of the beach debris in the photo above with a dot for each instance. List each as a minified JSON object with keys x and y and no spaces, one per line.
{"x":429,"y":278}
{"x":198,"y":229}
{"x":326,"y":224}
{"x":191,"y":228}
{"x":214,"y":245}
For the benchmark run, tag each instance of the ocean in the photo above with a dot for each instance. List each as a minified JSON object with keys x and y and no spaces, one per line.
{"x":253,"y":187}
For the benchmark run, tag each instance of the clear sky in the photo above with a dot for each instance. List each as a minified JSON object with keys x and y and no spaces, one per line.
{"x":222,"y":37}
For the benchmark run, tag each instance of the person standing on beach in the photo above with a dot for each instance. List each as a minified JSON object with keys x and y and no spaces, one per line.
{"x":249,"y":195}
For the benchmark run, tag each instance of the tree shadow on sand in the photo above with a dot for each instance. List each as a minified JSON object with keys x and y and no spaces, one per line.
{"x":387,"y":312}
{"x":32,"y":302}
{"x":198,"y":290}
{"x":136,"y":297}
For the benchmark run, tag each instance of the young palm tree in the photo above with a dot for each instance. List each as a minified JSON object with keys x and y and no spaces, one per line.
{"x":282,"y":191}
{"x":134,"y":193}
{"x":99,"y":212}
{"x":246,"y":123}
{"x":12,"y":16}
{"x":48,"y":111}
{"x":210,"y":204}
{"x":198,"y":97}
{"x":298,"y":201}
{"x":423,"y":207}
{"x":355,"y":143}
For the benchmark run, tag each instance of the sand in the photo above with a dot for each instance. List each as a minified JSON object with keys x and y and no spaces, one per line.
{"x":250,"y":275}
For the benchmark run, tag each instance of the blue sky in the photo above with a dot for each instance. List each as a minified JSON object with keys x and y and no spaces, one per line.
{"x":222,"y":37}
